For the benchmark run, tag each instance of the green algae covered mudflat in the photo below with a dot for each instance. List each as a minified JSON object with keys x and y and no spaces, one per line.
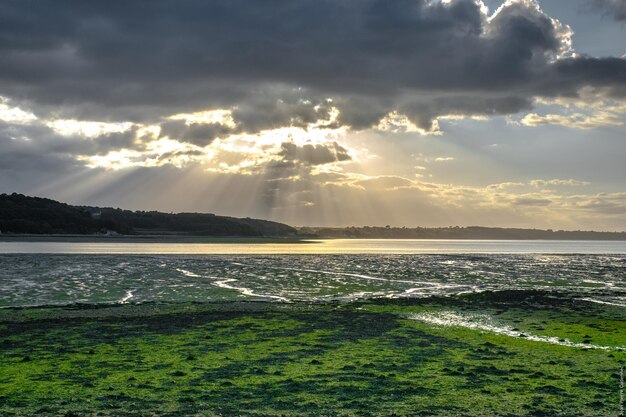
{"x":507,"y":353}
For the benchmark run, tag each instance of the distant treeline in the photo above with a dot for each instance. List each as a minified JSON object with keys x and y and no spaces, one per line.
{"x":20,"y":214}
{"x":33,"y":215}
{"x":473,"y":232}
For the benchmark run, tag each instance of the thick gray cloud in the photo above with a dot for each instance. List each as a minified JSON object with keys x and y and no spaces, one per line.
{"x":32,"y":157}
{"x":260,"y":111}
{"x":293,"y":108}
{"x":37,"y":147}
{"x":310,"y":154}
{"x":138,"y":60}
{"x":18,"y":153}
{"x":613,"y":8}
{"x":200,"y":134}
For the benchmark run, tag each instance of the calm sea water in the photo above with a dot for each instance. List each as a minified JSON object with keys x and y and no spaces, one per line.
{"x":327,"y":246}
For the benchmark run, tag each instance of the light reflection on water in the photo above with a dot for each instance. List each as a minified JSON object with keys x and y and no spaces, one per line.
{"x":327,"y":246}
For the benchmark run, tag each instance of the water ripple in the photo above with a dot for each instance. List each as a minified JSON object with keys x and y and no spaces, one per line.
{"x":64,"y":279}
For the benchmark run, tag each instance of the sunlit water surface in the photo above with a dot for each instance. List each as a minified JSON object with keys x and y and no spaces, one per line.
{"x":320,"y":246}
{"x":47,"y":273}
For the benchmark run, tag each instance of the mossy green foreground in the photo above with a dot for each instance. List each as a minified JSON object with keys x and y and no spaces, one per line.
{"x":338,"y":359}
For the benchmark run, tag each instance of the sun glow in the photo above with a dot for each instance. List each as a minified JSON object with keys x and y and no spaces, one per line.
{"x":14,"y":114}
{"x":88,"y":129}
{"x":157,"y":153}
{"x":220,"y":116}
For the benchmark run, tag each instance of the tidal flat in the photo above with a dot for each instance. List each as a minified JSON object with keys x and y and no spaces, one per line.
{"x":493,"y":353}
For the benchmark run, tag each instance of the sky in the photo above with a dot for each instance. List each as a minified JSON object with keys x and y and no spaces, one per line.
{"x":321,"y":112}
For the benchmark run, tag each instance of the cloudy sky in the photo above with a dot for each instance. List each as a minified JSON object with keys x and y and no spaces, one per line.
{"x":321,"y":112}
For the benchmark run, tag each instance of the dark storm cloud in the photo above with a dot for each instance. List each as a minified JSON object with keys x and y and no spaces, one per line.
{"x":140,"y":60}
{"x":613,"y":8}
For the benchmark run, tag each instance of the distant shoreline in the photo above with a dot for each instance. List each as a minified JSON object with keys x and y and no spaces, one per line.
{"x":147,"y":239}
{"x":459,"y":233}
{"x":260,"y":240}
{"x":38,"y":219}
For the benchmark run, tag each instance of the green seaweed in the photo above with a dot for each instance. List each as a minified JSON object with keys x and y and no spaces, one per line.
{"x":352,"y":359}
